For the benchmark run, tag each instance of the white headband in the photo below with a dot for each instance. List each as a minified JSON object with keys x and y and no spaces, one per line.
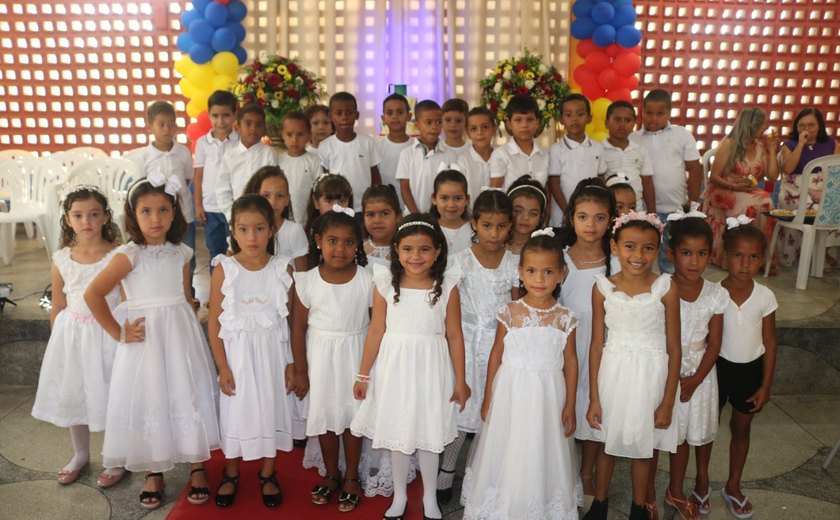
{"x":415,"y":223}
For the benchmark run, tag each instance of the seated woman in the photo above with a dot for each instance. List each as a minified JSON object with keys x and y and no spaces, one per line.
{"x":743,"y":158}
{"x":808,"y":141}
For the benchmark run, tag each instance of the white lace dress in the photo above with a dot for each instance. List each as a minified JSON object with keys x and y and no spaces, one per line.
{"x":76,"y":371}
{"x":634,"y":367}
{"x":257,"y":420}
{"x":162,"y":405}
{"x":407,"y":407}
{"x":523,"y":466}
{"x":482,"y":292}
{"x":698,"y":418}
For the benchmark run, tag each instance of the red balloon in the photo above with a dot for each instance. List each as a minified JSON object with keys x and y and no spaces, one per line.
{"x":596,"y":61}
{"x":627,"y":64}
{"x":630,"y":83}
{"x":584,"y":76}
{"x":204,"y":122}
{"x":619,"y":94}
{"x":194,"y":132}
{"x":592,"y":91}
{"x":584,"y":47}
{"x":632,"y":50}
{"x":608,"y":79}
{"x":612,"y":49}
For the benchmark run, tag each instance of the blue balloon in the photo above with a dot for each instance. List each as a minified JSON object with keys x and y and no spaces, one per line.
{"x":184,"y":42}
{"x":223,"y":40}
{"x":236,"y":11}
{"x":200,"y":5}
{"x":237,"y":29}
{"x":240,"y":53}
{"x":582,"y":28}
{"x":201,"y":53}
{"x":201,"y":31}
{"x":603,"y":35}
{"x":583,"y":8}
{"x":628,"y":36}
{"x":603,"y":12}
{"x":188,"y":16}
{"x":617,"y":3}
{"x":216,"y":14}
{"x":624,"y":15}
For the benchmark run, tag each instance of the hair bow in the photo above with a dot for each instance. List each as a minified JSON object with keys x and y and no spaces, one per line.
{"x":341,"y":209}
{"x":170,"y":185}
{"x":449,"y":166}
{"x":693,"y":211}
{"x":617,"y":178}
{"x":549,"y":232}
{"x":491,"y":188}
{"x":740,"y":220}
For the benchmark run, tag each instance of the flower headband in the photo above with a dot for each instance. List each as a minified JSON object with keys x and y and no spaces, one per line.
{"x":156,"y":178}
{"x":693,"y":212}
{"x":548,"y":232}
{"x":415,"y":223}
{"x":341,"y":209}
{"x":740,"y":220}
{"x":650,"y":218}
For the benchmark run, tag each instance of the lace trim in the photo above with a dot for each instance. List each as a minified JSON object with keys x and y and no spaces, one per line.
{"x":496,"y":504}
{"x":228,"y":319}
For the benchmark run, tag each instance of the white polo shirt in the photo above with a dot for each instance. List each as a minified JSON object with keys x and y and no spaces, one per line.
{"x":301,"y":172}
{"x":742,"y":326}
{"x":669,"y":150}
{"x":633,"y":161}
{"x":390,"y":152}
{"x":476,"y":170}
{"x":510,"y":162}
{"x":353,"y":160}
{"x":238,"y":165}
{"x":208,"y":155}
{"x":572,"y":162}
{"x":176,"y":161}
{"x":420,"y":166}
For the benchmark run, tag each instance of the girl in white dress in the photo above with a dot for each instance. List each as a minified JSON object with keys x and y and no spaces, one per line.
{"x":585,"y":231}
{"x":523,"y":462}
{"x":328,"y":190}
{"x":637,"y":365}
{"x":410,"y":401}
{"x":248,"y":330}
{"x":451,"y":208}
{"x":163,"y":376}
{"x":328,"y":335}
{"x":76,"y":371}
{"x":488,"y":280}
{"x":530,"y":211}
{"x":381,"y":209}
{"x":701,"y":329}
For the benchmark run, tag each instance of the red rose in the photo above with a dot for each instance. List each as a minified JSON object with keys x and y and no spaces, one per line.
{"x":248,"y":79}
{"x":522,"y":90}
{"x":273,"y":80}
{"x":499,"y":76}
{"x":292,"y":93}
{"x":257,"y":65}
{"x":507,"y":85}
{"x":494,"y":105}
{"x":310,"y":85}
{"x":558,"y":77}
{"x":292,"y":68}
{"x":261,"y":102}
{"x":520,"y":67}
{"x":248,"y":98}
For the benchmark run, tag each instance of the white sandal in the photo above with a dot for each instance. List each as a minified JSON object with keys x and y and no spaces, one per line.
{"x":732,"y":502}
{"x":704,"y":506}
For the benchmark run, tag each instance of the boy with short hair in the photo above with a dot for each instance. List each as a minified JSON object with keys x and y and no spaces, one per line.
{"x":455,"y":112}
{"x":419,"y":163}
{"x":164,"y":154}
{"x":474,"y":161}
{"x":396,"y":113}
{"x":209,"y":151}
{"x":520,"y":155}
{"x":246,"y":158}
{"x":301,"y":167}
{"x":624,"y":157}
{"x":677,"y":173}
{"x":354,"y":156}
{"x":574,"y":157}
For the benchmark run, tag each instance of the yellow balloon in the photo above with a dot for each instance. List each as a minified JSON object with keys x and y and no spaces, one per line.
{"x":202,"y":75}
{"x":187,"y":88}
{"x":599,"y":136}
{"x":225,"y":63}
{"x":221,"y":82}
{"x":599,"y":109}
{"x":194,"y":109}
{"x":184,"y":65}
{"x":200,"y":98}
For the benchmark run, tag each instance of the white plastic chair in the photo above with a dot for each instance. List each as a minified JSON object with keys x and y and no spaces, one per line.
{"x":814,"y":236}
{"x":708,"y":159}
{"x":68,"y":159}
{"x":11,"y":155}
{"x":91,"y":152}
{"x":131,"y":153}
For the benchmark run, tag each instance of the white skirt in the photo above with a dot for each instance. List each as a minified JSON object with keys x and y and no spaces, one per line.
{"x":698,"y":418}
{"x":333,"y":359}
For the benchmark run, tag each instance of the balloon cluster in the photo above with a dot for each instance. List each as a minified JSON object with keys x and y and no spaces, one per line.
{"x":212,"y":52}
{"x":609,"y":46}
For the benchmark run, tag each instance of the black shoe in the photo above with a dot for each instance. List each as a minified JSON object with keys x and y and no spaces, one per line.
{"x":227,"y":500}
{"x":299,"y":443}
{"x":598,"y":510}
{"x":275,"y":499}
{"x":638,"y":512}
{"x":445,"y":495}
{"x":198,"y":495}
{"x":400,"y":517}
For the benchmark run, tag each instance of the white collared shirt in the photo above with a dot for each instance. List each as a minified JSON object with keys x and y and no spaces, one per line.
{"x":238,"y":165}
{"x":633,"y":162}
{"x":476,"y":170}
{"x":420,"y":166}
{"x":510,"y":162}
{"x":176,"y":161}
{"x":208,"y":155}
{"x":390,"y":152}
{"x":669,"y":150}
{"x":352,"y":160}
{"x":301,"y":172}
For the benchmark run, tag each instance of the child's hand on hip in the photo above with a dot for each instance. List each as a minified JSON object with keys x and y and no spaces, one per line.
{"x":135,"y":331}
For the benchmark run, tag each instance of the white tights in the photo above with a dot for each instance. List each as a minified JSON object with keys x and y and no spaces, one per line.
{"x":428,"y":470}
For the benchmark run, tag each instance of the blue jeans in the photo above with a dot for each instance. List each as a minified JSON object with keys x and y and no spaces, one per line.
{"x":215,"y":234}
{"x":665,"y":265}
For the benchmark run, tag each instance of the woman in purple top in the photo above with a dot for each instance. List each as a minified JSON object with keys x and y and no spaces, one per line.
{"x":808,"y":141}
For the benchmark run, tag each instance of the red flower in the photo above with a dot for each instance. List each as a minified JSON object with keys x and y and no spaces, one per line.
{"x":310,"y":85}
{"x":292,"y":93}
{"x":520,"y":67}
{"x":522,"y":90}
{"x":292,"y":68}
{"x":248,"y":98}
{"x":499,"y":76}
{"x":494,"y":105}
{"x":261,"y":102}
{"x":257,"y":65}
{"x":273,"y":80}
{"x":507,"y":85}
{"x":248,"y":79}
{"x":558,"y":77}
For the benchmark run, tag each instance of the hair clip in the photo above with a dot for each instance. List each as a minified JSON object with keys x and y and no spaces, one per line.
{"x":650,"y":218}
{"x":341,"y":209}
{"x":415,"y":223}
{"x":740,"y":220}
{"x":693,"y":212}
{"x":546,"y":231}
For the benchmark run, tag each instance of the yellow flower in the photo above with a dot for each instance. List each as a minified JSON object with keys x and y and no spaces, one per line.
{"x":278,"y":95}
{"x":508,"y":67}
{"x":282,"y":70}
{"x":497,"y":70}
{"x":529,"y":75}
{"x":551,"y":106}
{"x":287,"y":76}
{"x":270,"y":69}
{"x":260,"y":93}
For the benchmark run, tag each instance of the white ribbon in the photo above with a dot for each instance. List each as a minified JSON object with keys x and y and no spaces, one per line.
{"x":549,"y":232}
{"x":341,"y":209}
{"x":740,"y":220}
{"x":693,"y":211}
{"x":170,"y":185}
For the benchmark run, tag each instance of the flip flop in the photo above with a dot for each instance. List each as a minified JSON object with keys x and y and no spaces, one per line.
{"x":704,"y":507}
{"x":732,"y":502}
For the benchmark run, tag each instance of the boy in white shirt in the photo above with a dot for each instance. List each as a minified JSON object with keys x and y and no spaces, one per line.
{"x":474,"y":161}
{"x":395,"y":115}
{"x":677,"y":173}
{"x":574,"y":157}
{"x":300,"y":166}
{"x":624,"y":157}
{"x":246,"y":158}
{"x":420,"y":162}
{"x":351,"y":155}
{"x":455,"y":112}
{"x":209,"y":151}
{"x":521,"y":155}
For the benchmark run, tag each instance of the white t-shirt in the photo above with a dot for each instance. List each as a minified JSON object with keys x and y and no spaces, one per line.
{"x":633,"y":162}
{"x":669,"y":149}
{"x":177,"y":162}
{"x":238,"y":165}
{"x":209,"y":152}
{"x":390,"y":152}
{"x":510,"y":162}
{"x":291,"y":241}
{"x":420,"y":166}
{"x":742,"y":326}
{"x":572,"y":162}
{"x":353,"y":160}
{"x":301,"y":172}
{"x":476,"y":170}
{"x":457,"y":150}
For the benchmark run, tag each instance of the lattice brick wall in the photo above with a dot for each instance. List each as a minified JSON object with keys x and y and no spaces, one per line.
{"x":719,"y":56}
{"x":81,"y":73}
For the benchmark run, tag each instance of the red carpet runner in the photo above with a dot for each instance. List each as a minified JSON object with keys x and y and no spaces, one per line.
{"x":296,"y":484}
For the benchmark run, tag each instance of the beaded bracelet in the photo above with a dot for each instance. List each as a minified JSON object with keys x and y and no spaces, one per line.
{"x":361,"y":378}
{"x":122,"y":334}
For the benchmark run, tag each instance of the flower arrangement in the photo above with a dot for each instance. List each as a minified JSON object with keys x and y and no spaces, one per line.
{"x":524,"y":75}
{"x":279,"y":85}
